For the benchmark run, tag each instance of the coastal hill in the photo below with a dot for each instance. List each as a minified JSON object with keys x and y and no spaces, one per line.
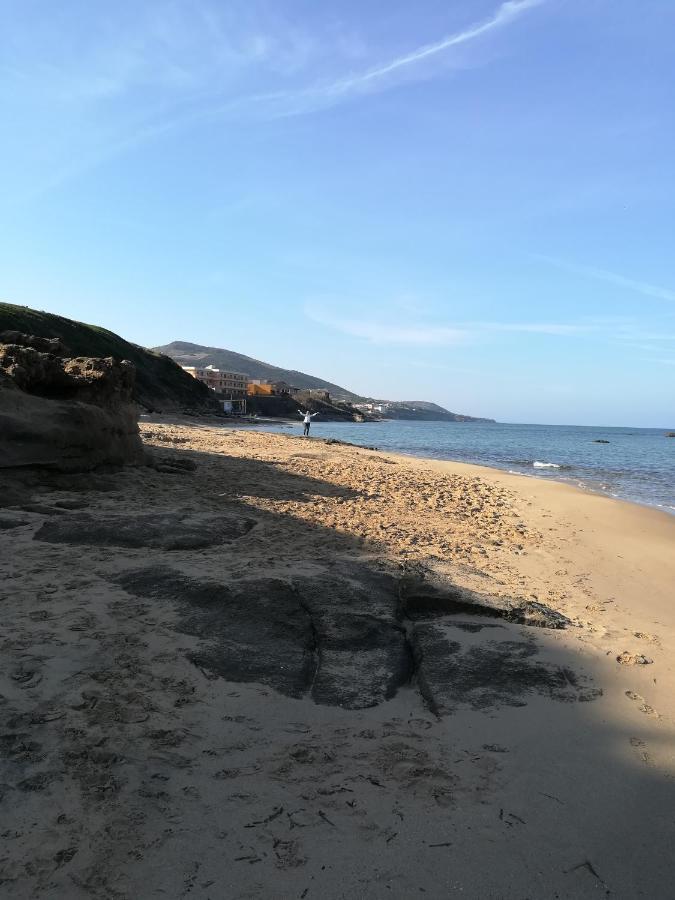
{"x":187,"y":354}
{"x":423,"y":411}
{"x":160,"y":384}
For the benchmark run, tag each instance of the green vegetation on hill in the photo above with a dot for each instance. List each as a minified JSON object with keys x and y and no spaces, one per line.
{"x":161,"y":384}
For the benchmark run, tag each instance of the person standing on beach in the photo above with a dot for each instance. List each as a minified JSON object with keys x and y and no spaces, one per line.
{"x":307,"y":420}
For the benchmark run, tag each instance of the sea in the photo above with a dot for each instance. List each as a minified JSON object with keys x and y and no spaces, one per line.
{"x":637,"y":464}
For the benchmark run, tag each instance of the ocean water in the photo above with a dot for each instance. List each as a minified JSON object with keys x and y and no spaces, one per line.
{"x":637,"y":464}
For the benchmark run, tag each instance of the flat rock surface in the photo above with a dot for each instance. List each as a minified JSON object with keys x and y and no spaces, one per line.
{"x":159,"y":530}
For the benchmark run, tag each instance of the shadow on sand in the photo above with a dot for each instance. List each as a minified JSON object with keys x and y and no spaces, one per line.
{"x":174,"y":588}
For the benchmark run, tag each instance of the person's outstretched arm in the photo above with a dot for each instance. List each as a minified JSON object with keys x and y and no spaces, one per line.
{"x":315,"y":414}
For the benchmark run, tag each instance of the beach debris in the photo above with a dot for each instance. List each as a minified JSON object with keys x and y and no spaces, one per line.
{"x":322,"y":815}
{"x":633,"y":659}
{"x":510,"y":819}
{"x":589,"y":867}
{"x":272,"y":816}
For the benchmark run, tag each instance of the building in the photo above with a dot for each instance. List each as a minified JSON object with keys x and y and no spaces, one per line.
{"x":314,"y":394}
{"x":259,"y":388}
{"x":282,"y":389}
{"x":233,"y":385}
{"x":372,"y":407}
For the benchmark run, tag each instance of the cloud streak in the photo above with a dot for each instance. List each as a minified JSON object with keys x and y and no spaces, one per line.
{"x":505,"y":14}
{"x":389,"y":331}
{"x":206,"y":104}
{"x":640,"y":287}
{"x":304,"y":101}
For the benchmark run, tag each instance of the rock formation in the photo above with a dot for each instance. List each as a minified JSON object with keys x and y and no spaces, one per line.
{"x":68,"y":414}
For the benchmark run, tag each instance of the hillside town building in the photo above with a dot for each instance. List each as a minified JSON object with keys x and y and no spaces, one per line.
{"x":257,"y":387}
{"x":232,"y":385}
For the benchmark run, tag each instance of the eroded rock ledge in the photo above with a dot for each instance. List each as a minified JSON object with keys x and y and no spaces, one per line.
{"x":67,"y":414}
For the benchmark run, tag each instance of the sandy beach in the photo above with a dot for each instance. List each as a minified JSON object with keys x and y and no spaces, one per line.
{"x":290,"y":668}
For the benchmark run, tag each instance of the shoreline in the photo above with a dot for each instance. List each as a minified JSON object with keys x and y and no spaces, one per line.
{"x":544,"y":497}
{"x":538,"y":476}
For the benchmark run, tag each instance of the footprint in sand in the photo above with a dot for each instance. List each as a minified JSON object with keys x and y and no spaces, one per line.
{"x":633,"y":659}
{"x":645,"y":636}
{"x":641,"y":746}
{"x":644,"y":706}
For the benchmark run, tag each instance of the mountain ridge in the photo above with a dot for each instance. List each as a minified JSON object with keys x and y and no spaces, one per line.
{"x":188,"y":354}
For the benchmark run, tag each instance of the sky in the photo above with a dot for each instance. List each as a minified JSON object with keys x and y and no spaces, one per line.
{"x":463,"y":201}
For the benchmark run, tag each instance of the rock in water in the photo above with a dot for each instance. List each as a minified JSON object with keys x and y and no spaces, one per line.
{"x":66,"y":414}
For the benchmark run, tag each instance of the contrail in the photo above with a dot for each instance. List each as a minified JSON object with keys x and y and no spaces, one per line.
{"x":278,"y":104}
{"x":506,"y":13}
{"x":640,"y":287}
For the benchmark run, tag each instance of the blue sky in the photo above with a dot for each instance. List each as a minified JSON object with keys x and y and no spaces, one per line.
{"x":454,"y":200}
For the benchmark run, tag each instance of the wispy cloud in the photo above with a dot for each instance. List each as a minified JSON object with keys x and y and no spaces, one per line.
{"x":640,"y":287}
{"x":391,"y":330}
{"x":340,"y":88}
{"x":215,"y":64}
{"x":384,"y":332}
{"x":324,"y":93}
{"x":554,"y":328}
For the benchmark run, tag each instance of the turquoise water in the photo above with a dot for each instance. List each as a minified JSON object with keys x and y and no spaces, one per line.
{"x":637,"y":464}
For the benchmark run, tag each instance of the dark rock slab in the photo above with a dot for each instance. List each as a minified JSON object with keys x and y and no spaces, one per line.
{"x":459,"y":668}
{"x":429,"y":596}
{"x":156,"y":530}
{"x":337,"y":642}
{"x":7,"y":523}
{"x":348,"y":641}
{"x":254,"y":632}
{"x":364,"y":655}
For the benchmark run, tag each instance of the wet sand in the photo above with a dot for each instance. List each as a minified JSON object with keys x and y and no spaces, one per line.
{"x":303,"y":669}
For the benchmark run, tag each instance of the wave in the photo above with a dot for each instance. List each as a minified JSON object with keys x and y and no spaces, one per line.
{"x":538,"y":464}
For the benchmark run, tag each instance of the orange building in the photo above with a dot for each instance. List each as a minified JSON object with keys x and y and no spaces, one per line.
{"x":260,"y":389}
{"x":268,"y":388}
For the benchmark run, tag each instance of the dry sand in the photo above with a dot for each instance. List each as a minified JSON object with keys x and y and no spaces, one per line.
{"x":158,"y":742}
